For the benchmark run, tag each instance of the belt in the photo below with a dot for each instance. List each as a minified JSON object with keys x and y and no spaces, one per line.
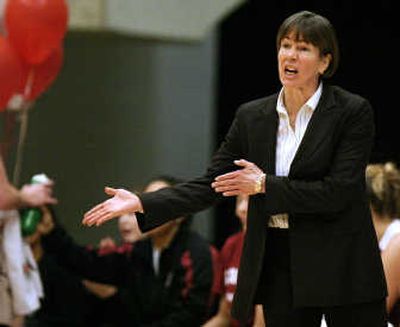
{"x":279,"y":221}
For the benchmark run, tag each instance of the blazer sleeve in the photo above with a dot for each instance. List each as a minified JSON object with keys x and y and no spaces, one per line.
{"x":344,"y":181}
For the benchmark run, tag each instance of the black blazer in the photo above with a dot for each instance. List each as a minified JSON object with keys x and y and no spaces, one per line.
{"x":335,"y":258}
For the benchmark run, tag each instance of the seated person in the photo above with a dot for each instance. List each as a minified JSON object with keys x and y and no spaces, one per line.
{"x":383,"y":186}
{"x":65,"y":298}
{"x":165,"y":280}
{"x":229,"y":260}
{"x":106,"y":303}
{"x":20,"y":288}
{"x":391,"y":264}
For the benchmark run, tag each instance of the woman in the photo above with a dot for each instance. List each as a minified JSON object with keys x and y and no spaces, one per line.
{"x":391,"y":262}
{"x":300,"y":155}
{"x":383,"y":185}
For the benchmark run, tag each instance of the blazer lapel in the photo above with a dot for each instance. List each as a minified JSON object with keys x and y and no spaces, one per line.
{"x":316,"y":129}
{"x":269,"y":128}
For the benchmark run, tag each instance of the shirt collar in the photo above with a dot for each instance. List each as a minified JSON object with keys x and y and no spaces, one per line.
{"x":311,"y":103}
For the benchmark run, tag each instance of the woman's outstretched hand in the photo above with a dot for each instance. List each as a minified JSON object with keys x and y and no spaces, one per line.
{"x":122,"y":202}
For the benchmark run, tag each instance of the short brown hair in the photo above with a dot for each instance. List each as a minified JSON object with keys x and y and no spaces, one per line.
{"x":315,"y":29}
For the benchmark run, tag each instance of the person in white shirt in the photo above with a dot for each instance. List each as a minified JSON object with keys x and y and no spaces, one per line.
{"x":20,"y":289}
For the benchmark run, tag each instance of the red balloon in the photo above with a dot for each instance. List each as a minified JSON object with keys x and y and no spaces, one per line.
{"x":10,"y":72}
{"x":35,"y":27}
{"x":38,"y":78}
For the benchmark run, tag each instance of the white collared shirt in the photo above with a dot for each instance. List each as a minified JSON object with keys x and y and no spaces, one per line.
{"x":288,"y":141}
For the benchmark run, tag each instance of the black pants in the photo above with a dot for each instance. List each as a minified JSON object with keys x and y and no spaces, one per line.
{"x":275,"y":294}
{"x":357,"y":315}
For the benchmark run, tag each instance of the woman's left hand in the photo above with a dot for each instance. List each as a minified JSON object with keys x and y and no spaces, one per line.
{"x":244,"y":181}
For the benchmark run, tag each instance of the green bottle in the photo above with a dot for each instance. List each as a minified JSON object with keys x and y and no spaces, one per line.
{"x":31,"y":217}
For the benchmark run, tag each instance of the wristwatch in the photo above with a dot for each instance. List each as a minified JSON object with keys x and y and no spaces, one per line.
{"x":259,"y":184}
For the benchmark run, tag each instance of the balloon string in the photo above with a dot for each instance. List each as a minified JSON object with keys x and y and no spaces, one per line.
{"x":29,"y":83}
{"x":23,"y":116}
{"x":21,"y":142}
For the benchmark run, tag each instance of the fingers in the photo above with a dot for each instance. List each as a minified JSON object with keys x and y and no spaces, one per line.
{"x":48,"y":183}
{"x":234,"y":192}
{"x":93,"y":211}
{"x":98,"y":216}
{"x":227,"y":176}
{"x":221,"y":187}
{"x":226,"y":184}
{"x":51,"y":200}
{"x":237,"y":182}
{"x":103,"y":219}
{"x":110,"y":191}
{"x":99,"y":211}
{"x":227,"y":190}
{"x":49,"y":188}
{"x":243,"y":163}
{"x":47,"y":193}
{"x":92,"y":215}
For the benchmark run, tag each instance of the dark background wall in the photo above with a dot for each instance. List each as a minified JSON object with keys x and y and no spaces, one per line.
{"x":121,"y":111}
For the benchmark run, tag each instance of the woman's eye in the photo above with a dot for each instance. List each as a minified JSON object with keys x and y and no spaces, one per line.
{"x":304,"y":48}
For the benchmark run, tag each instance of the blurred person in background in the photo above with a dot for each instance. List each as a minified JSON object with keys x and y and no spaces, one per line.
{"x":30,"y":195}
{"x":65,"y":299}
{"x":20,"y":284}
{"x":229,"y":260}
{"x":391,"y":263}
{"x":164,"y":280}
{"x":383,"y":188}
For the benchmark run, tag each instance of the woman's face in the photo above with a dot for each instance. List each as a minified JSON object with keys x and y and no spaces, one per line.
{"x":164,"y":228}
{"x":127,"y":225}
{"x":300,"y":63}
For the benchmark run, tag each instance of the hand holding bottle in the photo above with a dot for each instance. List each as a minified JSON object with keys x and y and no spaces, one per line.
{"x":38,"y":193}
